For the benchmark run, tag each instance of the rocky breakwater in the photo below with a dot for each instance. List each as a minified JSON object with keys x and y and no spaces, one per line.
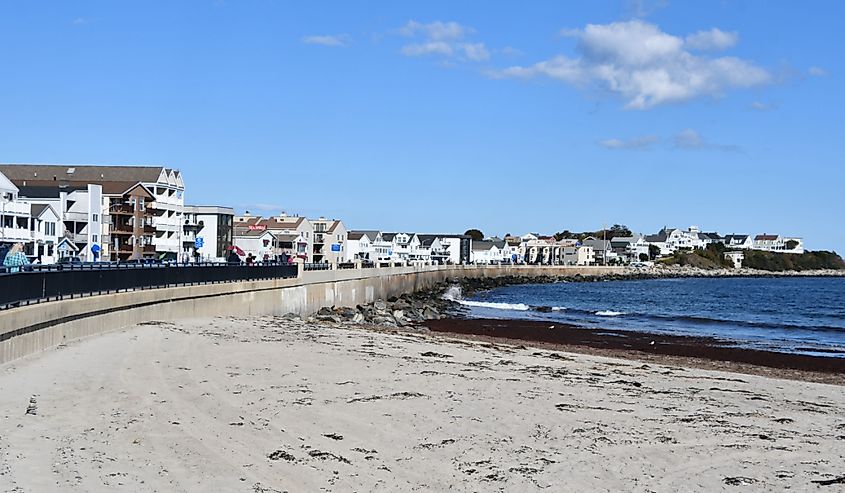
{"x":408,"y":310}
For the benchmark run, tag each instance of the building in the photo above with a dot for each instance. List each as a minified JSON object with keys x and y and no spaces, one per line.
{"x":630,"y":247}
{"x":293,"y":234}
{"x":14,"y":216}
{"x":778,"y":244}
{"x":602,"y":250}
{"x":738,"y":241}
{"x":329,"y":243}
{"x":256,"y":242}
{"x":165,"y":185}
{"x":45,"y":237}
{"x":208,"y":232}
{"x":131,"y":225}
{"x":487,"y":252}
{"x":360,"y":245}
{"x":578,"y":255}
{"x":736,"y":258}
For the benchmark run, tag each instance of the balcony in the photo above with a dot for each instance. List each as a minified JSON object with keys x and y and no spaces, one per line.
{"x":122,"y":210}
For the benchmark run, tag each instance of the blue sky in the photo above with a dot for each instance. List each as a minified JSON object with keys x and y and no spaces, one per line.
{"x":440,"y":116}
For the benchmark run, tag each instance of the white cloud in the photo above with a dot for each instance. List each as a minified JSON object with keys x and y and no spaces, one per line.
{"x":439,"y":31}
{"x":429,"y":48}
{"x":326,"y":40}
{"x":638,"y":143}
{"x":714,"y":39}
{"x":817,"y":72}
{"x":446,"y":39}
{"x":692,"y":140}
{"x":643,"y":65}
{"x":476,"y":51}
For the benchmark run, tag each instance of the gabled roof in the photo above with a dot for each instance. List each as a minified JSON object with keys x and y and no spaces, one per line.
{"x":252,"y":233}
{"x":6,"y":184}
{"x":765,"y":237}
{"x":357,"y":235}
{"x":485,"y":245}
{"x":736,"y":238}
{"x":81,"y":173}
{"x":36,"y":210}
{"x":658,"y":238}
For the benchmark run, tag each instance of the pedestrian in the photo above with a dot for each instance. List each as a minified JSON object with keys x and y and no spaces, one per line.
{"x":250,"y":259}
{"x":15,"y":259}
{"x":233,"y":258}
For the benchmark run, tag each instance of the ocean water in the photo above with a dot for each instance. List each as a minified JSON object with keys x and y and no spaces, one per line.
{"x":797,"y":315}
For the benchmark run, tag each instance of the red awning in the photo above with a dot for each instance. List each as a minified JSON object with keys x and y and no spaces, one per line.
{"x":237,"y":250}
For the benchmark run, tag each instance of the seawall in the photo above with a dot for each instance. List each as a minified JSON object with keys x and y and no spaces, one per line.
{"x":29,"y":329}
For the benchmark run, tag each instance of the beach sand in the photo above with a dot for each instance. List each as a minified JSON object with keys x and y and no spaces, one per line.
{"x":264,"y":404}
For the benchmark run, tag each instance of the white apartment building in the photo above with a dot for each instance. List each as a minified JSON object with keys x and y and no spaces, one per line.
{"x":294,"y":235}
{"x":207,"y":232}
{"x":164,"y":184}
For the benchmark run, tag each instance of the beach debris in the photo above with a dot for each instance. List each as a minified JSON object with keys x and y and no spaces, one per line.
{"x":333,"y":436}
{"x":322,"y":455}
{"x":281,"y":454}
{"x":738,"y":480}
{"x":432,"y":354}
{"x":395,"y":395}
{"x":829,"y":482}
{"x":32,"y":408}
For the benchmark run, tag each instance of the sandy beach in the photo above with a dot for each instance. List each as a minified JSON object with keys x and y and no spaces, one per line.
{"x":266,"y":404}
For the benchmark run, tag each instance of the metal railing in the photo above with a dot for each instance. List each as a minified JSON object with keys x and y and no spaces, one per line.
{"x":56,"y":282}
{"x":317,"y":266}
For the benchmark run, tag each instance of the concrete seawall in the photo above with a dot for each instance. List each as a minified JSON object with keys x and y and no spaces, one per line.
{"x":29,"y":329}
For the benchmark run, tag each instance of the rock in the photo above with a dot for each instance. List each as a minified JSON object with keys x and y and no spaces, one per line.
{"x":380,"y":305}
{"x":358,"y":318}
{"x":325,"y":311}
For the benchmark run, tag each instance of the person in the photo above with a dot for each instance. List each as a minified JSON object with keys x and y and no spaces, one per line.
{"x":15,"y":259}
{"x":284,"y":258}
{"x":250,"y":259}
{"x":233,"y":258}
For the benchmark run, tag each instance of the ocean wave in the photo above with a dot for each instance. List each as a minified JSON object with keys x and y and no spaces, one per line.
{"x":499,"y":306}
{"x":454,"y":294}
{"x":609,"y":313}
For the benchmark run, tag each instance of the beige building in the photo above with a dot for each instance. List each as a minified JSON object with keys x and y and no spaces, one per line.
{"x":329,"y":243}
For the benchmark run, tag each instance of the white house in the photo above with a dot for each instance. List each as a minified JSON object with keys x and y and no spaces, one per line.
{"x":778,"y":244}
{"x":630,"y":247}
{"x":736,"y":258}
{"x":208,"y":232}
{"x":579,"y":255}
{"x":744,"y":242}
{"x":487,"y":252}
{"x":259,"y":243}
{"x":14,"y":215}
{"x":45,"y":237}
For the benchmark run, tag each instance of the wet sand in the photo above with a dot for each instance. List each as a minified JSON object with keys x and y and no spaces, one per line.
{"x":696,"y":352}
{"x":265,"y":404}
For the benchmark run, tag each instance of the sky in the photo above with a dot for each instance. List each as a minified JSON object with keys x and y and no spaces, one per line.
{"x":441,"y":116}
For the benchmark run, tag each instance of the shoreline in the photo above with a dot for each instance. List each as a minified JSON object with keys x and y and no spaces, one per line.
{"x":688,"y":351}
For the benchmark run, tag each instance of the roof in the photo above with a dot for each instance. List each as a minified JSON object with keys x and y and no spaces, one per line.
{"x":37,"y":209}
{"x":6,"y":184}
{"x":735,"y":238}
{"x":598,"y":244}
{"x":251,"y":233}
{"x":82,"y":173}
{"x":658,"y":238}
{"x":357,"y":235}
{"x":388,"y":236}
{"x":485,"y":245}
{"x":765,"y":237}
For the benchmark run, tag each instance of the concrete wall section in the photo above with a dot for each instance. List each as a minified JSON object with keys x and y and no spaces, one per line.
{"x":29,"y":329}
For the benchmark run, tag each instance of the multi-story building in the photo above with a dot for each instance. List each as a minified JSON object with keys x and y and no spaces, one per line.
{"x":778,"y":243}
{"x":293,"y":234}
{"x":14,"y":215}
{"x":165,"y":185}
{"x":329,"y":243}
{"x":207,"y":233}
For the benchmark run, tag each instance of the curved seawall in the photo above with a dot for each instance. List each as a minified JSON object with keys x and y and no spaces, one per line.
{"x":29,"y":329}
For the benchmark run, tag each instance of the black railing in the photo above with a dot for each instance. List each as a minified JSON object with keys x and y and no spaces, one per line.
{"x":48,"y":283}
{"x":317,"y":266}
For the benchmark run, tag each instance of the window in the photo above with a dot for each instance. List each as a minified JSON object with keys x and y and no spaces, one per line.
{"x":95,"y":218}
{"x":94,"y":238}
